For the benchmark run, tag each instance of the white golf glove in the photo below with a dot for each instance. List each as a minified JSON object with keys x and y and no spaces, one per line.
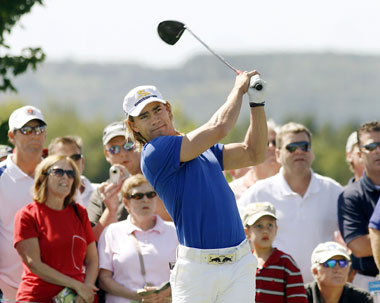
{"x":257,"y":89}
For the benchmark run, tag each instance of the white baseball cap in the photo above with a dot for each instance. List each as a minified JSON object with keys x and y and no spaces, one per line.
{"x":113,"y":130}
{"x":23,"y":115}
{"x":327,"y":250}
{"x":351,"y":141}
{"x":139,"y":97}
{"x":255,"y":211}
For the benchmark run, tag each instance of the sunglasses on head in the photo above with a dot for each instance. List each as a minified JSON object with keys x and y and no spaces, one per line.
{"x":59,"y":172}
{"x":115,"y":149}
{"x":332,"y":263}
{"x":371,"y":146}
{"x":292,"y":147}
{"x":139,"y":196}
{"x":28,"y":130}
{"x":76,"y":157}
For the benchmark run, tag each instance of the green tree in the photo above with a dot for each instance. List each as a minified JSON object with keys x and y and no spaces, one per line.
{"x":10,"y":14}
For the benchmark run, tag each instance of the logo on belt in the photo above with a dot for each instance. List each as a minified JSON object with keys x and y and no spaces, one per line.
{"x":221,"y":259}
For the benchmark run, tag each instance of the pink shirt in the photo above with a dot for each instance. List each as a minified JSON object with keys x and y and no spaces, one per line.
{"x":118,"y":253}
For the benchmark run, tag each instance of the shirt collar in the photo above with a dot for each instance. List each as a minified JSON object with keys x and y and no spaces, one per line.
{"x":14,"y":171}
{"x":159,"y":227}
{"x":367,"y":183}
{"x":287,"y":191}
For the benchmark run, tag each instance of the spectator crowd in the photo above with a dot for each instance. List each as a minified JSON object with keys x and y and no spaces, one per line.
{"x":152,"y":235}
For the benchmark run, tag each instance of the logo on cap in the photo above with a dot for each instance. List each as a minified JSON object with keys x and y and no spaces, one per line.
{"x":30,"y":111}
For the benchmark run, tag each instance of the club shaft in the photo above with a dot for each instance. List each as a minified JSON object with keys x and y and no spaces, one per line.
{"x":214,"y":53}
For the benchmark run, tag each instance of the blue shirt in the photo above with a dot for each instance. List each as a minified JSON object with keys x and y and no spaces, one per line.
{"x":355,"y":207}
{"x":196,"y":193}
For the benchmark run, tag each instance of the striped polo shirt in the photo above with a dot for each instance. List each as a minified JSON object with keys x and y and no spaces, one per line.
{"x":280,"y":280}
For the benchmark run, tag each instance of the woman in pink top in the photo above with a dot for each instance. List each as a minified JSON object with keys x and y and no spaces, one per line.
{"x":134,"y":254}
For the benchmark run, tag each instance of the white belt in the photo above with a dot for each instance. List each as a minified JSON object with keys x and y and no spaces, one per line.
{"x":214,"y":256}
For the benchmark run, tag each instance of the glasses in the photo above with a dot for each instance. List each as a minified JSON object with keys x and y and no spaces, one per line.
{"x":59,"y":172}
{"x":139,"y":196}
{"x":27,"y":130}
{"x":76,"y":157}
{"x":115,"y":149}
{"x":371,"y":146}
{"x":292,"y":147}
{"x":272,"y":143}
{"x":332,"y":263}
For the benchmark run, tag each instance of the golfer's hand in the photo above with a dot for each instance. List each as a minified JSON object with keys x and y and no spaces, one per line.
{"x":243,"y":79}
{"x":257,"y":89}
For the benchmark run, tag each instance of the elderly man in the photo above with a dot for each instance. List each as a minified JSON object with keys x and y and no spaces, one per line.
{"x":106,"y":205}
{"x":357,"y":203}
{"x":330,"y":264}
{"x":214,"y":261}
{"x":71,"y":146}
{"x":305,"y":201}
{"x":27,"y":133}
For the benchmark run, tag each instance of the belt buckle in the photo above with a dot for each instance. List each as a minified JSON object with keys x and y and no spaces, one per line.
{"x":220,"y":259}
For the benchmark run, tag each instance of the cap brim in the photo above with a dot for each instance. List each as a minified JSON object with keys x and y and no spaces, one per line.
{"x":113,"y":135}
{"x":137,"y":110}
{"x":256,"y":217}
{"x":331,"y":254}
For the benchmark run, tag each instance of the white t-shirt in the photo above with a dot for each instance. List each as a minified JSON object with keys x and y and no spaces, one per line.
{"x":303,"y":222}
{"x":118,"y":253}
{"x":15,"y":193}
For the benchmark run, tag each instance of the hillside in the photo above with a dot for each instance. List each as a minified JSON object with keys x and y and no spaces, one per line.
{"x":329,"y":87}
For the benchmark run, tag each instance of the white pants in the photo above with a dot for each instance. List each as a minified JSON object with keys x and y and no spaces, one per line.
{"x":195,"y":280}
{"x":9,"y":292}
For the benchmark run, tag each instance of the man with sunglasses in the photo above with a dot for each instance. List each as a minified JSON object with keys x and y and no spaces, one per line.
{"x":357,"y":203}
{"x":330,"y":265}
{"x":72,"y":146}
{"x":106,"y":204}
{"x":27,"y":134}
{"x":306,"y":201}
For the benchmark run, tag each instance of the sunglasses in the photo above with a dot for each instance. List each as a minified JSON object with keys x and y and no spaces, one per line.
{"x":59,"y":172}
{"x":371,"y":146}
{"x":115,"y":149}
{"x":139,"y":196}
{"x":28,"y":130}
{"x":76,"y":157}
{"x":332,"y":263}
{"x":292,"y":147}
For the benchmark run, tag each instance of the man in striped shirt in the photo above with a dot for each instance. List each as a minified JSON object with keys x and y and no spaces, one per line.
{"x":278,"y":278}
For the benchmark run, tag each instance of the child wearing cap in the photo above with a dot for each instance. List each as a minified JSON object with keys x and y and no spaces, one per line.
{"x":278,"y":278}
{"x":330,"y":264}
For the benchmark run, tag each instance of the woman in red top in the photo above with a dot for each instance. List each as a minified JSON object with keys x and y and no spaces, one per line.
{"x":54,"y":238}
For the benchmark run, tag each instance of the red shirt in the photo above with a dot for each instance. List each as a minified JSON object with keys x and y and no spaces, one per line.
{"x":63,"y":240}
{"x":280,"y":280}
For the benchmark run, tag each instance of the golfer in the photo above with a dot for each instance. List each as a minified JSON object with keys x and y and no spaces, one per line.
{"x":214,"y":262}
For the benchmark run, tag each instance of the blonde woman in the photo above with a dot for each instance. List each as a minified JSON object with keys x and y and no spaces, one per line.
{"x":53,"y":237}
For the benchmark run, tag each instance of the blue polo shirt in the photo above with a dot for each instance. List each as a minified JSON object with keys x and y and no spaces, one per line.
{"x":355,"y":207}
{"x":196,"y":193}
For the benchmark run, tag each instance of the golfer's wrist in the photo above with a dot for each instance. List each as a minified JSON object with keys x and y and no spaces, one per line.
{"x":256,"y":104}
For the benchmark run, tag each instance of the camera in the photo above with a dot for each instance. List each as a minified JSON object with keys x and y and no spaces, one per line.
{"x":114,"y":174}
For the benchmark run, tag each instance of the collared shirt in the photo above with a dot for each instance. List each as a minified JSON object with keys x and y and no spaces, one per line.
{"x":355,"y":207}
{"x":15,"y":193}
{"x":303,"y":222}
{"x":118,"y":253}
{"x":84,"y":197}
{"x":350,"y":294}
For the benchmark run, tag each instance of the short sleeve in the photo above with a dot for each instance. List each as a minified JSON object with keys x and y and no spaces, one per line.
{"x":374,"y":221}
{"x":25,"y":226}
{"x":105,"y":250}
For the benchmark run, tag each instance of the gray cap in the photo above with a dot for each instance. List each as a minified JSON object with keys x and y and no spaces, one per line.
{"x":255,"y":211}
{"x":5,"y":150}
{"x":113,"y":130}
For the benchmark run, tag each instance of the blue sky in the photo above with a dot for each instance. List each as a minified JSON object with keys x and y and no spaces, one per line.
{"x":125,"y":30}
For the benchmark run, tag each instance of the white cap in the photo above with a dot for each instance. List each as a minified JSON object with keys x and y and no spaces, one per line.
{"x":23,"y":115}
{"x":327,"y":250}
{"x":139,"y":97}
{"x":113,"y":130}
{"x":255,"y":211}
{"x":351,"y":141}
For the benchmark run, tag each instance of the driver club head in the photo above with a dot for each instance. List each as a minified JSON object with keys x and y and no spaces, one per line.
{"x":171,"y":31}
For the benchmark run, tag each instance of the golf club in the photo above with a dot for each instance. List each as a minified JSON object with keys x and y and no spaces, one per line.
{"x":171,"y":31}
